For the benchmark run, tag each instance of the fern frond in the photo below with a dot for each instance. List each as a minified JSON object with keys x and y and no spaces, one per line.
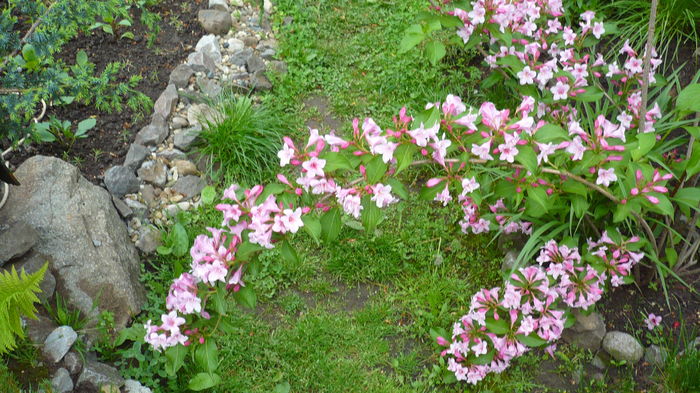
{"x":17,"y":297}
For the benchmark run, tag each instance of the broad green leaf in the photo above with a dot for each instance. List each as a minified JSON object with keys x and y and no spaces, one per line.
{"x":175,"y":358}
{"x":412,"y":37}
{"x":646,"y":142}
{"x":44,"y":135}
{"x":246,"y":249}
{"x":181,"y":242}
{"x":688,"y":198}
{"x":693,"y":165}
{"x":163,"y":250}
{"x":336,"y":160}
{"x":694,"y":131}
{"x":429,"y":193}
{"x":371,"y":214}
{"x":689,"y":99}
{"x":537,"y":202}
{"x":375,"y":170}
{"x":203,"y":381}
{"x":527,"y":157}
{"x":511,"y":61}
{"x":435,"y":51}
{"x":246,"y":297}
{"x":492,"y":79}
{"x":207,"y":356}
{"x":404,"y":156}
{"x":29,"y":53}
{"x":550,"y":133}
{"x":208,"y":195}
{"x":86,"y":125}
{"x":312,"y":226}
{"x":433,"y":24}
{"x":331,"y":224}
{"x":81,"y":58}
{"x":128,"y":35}
{"x":270,"y":189}
{"x":592,"y":94}
{"x":532,"y":340}
{"x":498,"y":327}
{"x":107,"y":29}
{"x":486,"y":358}
{"x":398,"y":188}
{"x":289,"y":253}
{"x":124,"y":22}
{"x":574,"y":187}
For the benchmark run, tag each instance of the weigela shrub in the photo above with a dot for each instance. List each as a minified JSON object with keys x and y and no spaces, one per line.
{"x":575,"y":149}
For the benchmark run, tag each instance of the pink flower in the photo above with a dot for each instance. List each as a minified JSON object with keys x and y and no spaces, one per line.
{"x":453,"y":106}
{"x":560,"y":91}
{"x":422,"y":135}
{"x":469,"y":185}
{"x":482,"y":151}
{"x":288,"y":221}
{"x":444,"y":196}
{"x":652,"y":321}
{"x":526,"y":76}
{"x":606,"y":176}
{"x":569,"y":36}
{"x":576,"y":148}
{"x":172,"y":322}
{"x":285,"y":155}
{"x":546,"y":149}
{"x":598,"y":29}
{"x":314,"y":167}
{"x":381,"y":195}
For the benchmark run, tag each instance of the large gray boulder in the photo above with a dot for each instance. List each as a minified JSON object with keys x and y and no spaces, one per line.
{"x":215,"y":21}
{"x":98,"y":376}
{"x":587,"y":332}
{"x":80,"y":232}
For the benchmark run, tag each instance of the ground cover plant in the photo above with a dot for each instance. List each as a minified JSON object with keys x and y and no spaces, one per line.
{"x":371,"y":150}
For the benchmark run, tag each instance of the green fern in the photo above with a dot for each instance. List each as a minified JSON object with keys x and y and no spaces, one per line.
{"x":17,"y":298}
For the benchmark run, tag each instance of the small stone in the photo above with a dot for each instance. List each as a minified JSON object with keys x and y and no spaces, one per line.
{"x":240,"y":58}
{"x":153,"y":134}
{"x":61,"y":381}
{"x":215,"y":21}
{"x":187,"y":138}
{"x":189,"y":186}
{"x":268,"y":54}
{"x":202,"y":114}
{"x":121,"y":180}
{"x":267,"y":6}
{"x":184,"y":167}
{"x":137,"y":207}
{"x":179,"y":122}
{"x":235,"y":45}
{"x":148,"y":193}
{"x":172,"y":154}
{"x":261,"y":83}
{"x":133,"y":386}
{"x":209,"y":87}
{"x":97,"y":375}
{"x":255,"y":64}
{"x":656,"y":355}
{"x":16,"y":240}
{"x":149,"y":240}
{"x":587,"y":332}
{"x":73,"y":363}
{"x":135,"y":156}
{"x":167,"y":101}
{"x":201,"y":62}
{"x":153,"y":172}
{"x":250,"y":41}
{"x":623,"y":346}
{"x":209,"y":44}
{"x":122,"y":207}
{"x":268,"y":44}
{"x":58,"y":343}
{"x":218,"y":5}
{"x":180,"y":75}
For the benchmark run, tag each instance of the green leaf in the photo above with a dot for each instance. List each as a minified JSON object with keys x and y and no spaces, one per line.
{"x":313,"y":227}
{"x":693,"y":130}
{"x":671,"y":256}
{"x":175,"y":358}
{"x":163,"y":250}
{"x":412,"y":37}
{"x":432,"y":24}
{"x":532,"y":340}
{"x":646,"y":142}
{"x":527,"y":157}
{"x":511,"y":61}
{"x":485,"y":358}
{"x":29,"y":53}
{"x":375,"y":170}
{"x":398,"y":188}
{"x":208,"y":195}
{"x":107,"y":29}
{"x":664,"y":206}
{"x":124,"y":22}
{"x":404,"y":156}
{"x":537,"y":201}
{"x":331,"y":224}
{"x":491,"y":80}
{"x":435,"y":51}
{"x":371,"y":214}
{"x":336,"y":161}
{"x":289,"y":253}
{"x":207,"y":356}
{"x":181,"y":242}
{"x":85,"y":125}
{"x":497,"y":327}
{"x":270,"y":189}
{"x":689,"y":99}
{"x":550,"y":133}
{"x":44,"y":135}
{"x":688,"y":198}
{"x":693,"y":165}
{"x":246,"y":297}
{"x":429,"y":193}
{"x":592,"y":94}
{"x":246,"y":250}
{"x":128,"y":35}
{"x":203,"y":381}
{"x":81,"y":58}
{"x":573,"y":187}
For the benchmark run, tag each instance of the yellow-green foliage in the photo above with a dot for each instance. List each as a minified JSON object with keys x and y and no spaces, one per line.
{"x":17,"y":297}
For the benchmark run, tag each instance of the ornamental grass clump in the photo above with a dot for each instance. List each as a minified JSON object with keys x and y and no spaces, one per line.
{"x":582,"y":166}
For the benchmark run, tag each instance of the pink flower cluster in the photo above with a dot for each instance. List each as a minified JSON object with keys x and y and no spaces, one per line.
{"x":502,"y":323}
